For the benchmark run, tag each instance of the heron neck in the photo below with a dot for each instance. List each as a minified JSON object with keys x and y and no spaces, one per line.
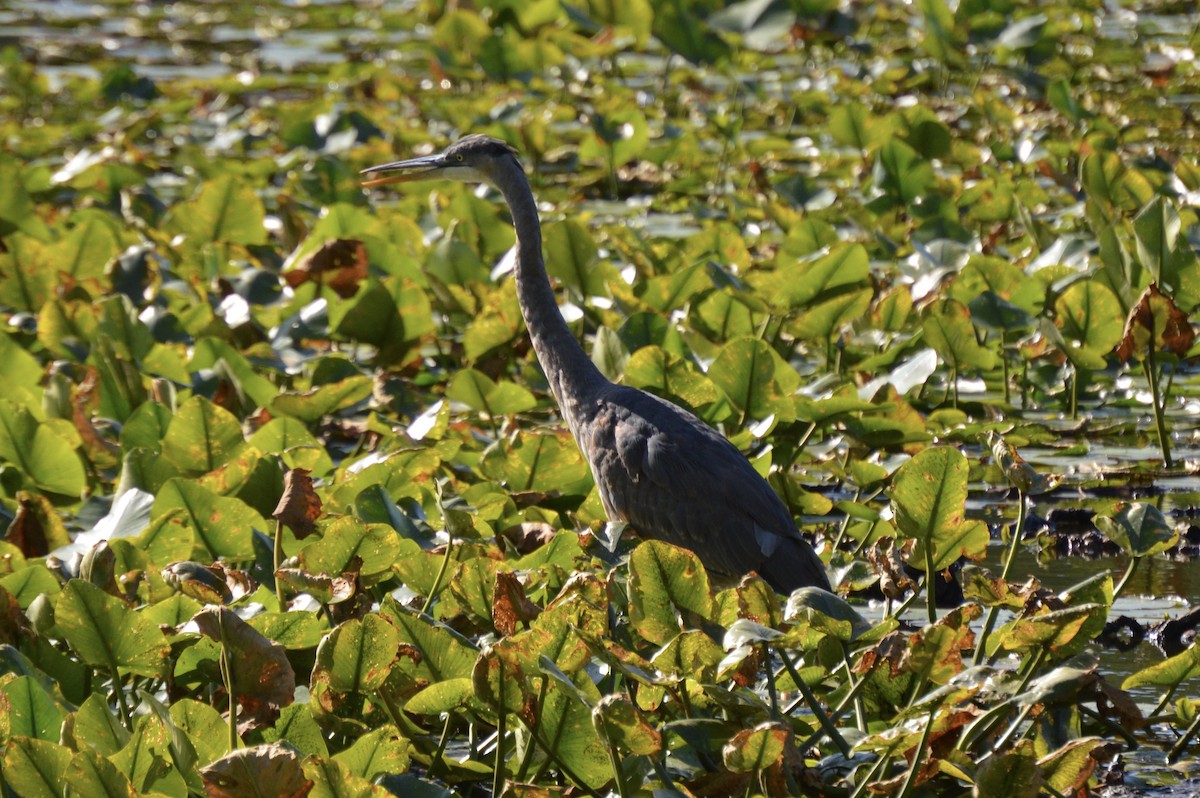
{"x":572,"y":375}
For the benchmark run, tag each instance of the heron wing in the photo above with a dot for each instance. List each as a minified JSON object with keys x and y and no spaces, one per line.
{"x":672,"y":477}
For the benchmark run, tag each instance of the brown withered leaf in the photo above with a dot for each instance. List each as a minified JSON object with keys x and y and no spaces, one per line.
{"x":103,"y":453}
{"x":529,"y":536}
{"x":887,"y":561}
{"x":14,"y":625}
{"x":26,"y":532}
{"x":85,"y":400}
{"x":1113,"y":702}
{"x":323,"y":587}
{"x":509,"y":604}
{"x":209,"y":584}
{"x":262,"y":676}
{"x":226,"y":396}
{"x":340,"y":263}
{"x":747,"y":671}
{"x":36,"y":529}
{"x":889,"y":649}
{"x":196,"y":581}
{"x":241,"y":774}
{"x":299,"y":507}
{"x":1155,"y":320}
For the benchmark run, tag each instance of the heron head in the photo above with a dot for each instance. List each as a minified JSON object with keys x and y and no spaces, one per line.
{"x":472,"y":159}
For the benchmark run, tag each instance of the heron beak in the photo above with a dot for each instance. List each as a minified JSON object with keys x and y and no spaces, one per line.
{"x":405,"y":171}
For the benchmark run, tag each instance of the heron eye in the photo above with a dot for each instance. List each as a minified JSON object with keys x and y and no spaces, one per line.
{"x":459,"y":156}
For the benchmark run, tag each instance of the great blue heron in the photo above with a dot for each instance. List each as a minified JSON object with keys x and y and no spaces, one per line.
{"x":658,"y":467}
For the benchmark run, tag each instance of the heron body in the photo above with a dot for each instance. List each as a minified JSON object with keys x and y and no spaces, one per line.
{"x":658,"y":468}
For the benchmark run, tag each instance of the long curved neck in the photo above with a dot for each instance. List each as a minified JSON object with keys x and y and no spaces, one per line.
{"x":572,"y":376}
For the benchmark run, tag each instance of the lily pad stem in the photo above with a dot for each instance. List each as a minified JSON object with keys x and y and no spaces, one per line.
{"x":523,"y":768}
{"x":772,"y":693}
{"x":437,"y":761}
{"x":1160,"y":423}
{"x":1183,"y":742}
{"x":441,"y":574}
{"x":822,"y":717}
{"x":1164,"y":701}
{"x":864,"y":787}
{"x":119,"y":689}
{"x":911,"y":780}
{"x":553,"y":756}
{"x":614,"y":760}
{"x":930,"y":584}
{"x":230,"y":687}
{"x":1129,"y":569}
{"x":277,"y":562}
{"x":501,"y":733}
{"x":1013,"y":544}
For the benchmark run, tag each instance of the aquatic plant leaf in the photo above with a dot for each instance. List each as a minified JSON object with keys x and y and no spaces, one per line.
{"x":1056,"y":630}
{"x":1140,"y":529}
{"x":949,"y":331}
{"x":753,"y":750}
{"x":202,"y":436}
{"x":206,"y":731}
{"x":1089,"y":316}
{"x":313,"y":405}
{"x":239,"y":773}
{"x":45,"y":457}
{"x":95,"y":726}
{"x":299,"y":507}
{"x":299,"y":448}
{"x":754,"y":378}
{"x":223,"y":209}
{"x":678,"y":27}
{"x":147,"y":760}
{"x":929,"y":498}
{"x":34,"y":768}
{"x":826,"y":319}
{"x":443,"y":696}
{"x":1067,"y":769}
{"x":17,"y":209}
{"x":357,"y":656}
{"x":224,"y":526}
{"x":299,"y":728}
{"x":1155,"y":324}
{"x":797,"y":284}
{"x":690,"y":654}
{"x":106,"y":633}
{"x":853,"y":125}
{"x":34,"y":713}
{"x":36,"y":529}
{"x":390,"y":314}
{"x":261,"y":671}
{"x":479,"y":392}
{"x":198,"y":582}
{"x":539,"y":462}
{"x":828,"y":612}
{"x":1157,"y":228}
{"x":664,"y":579}
{"x":1013,"y":773}
{"x":659,"y":371}
{"x":572,"y":256}
{"x":902,"y":174}
{"x":619,"y":721}
{"x":1170,"y":672}
{"x":375,"y":545}
{"x":340,"y":263}
{"x":378,"y":752}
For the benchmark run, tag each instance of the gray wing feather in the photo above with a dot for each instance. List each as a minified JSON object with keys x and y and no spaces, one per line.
{"x":672,"y":477}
